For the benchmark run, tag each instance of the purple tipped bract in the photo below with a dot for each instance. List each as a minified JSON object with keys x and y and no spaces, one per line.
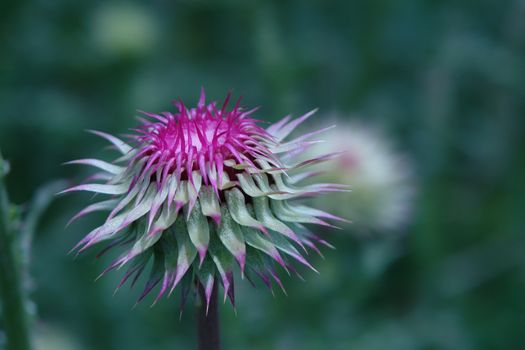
{"x":200,"y":189}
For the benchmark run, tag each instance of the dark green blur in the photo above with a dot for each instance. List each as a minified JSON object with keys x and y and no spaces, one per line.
{"x":446,"y":79}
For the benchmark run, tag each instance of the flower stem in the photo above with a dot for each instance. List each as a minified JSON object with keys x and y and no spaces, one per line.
{"x":11,"y":293}
{"x":208,"y":323}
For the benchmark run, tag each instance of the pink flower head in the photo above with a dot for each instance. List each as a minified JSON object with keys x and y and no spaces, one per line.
{"x":199,"y":189}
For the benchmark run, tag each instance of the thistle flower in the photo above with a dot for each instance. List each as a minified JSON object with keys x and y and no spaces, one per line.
{"x":381,"y":178}
{"x":201,"y":188}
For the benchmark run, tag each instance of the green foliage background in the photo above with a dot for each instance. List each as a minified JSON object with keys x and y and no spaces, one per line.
{"x":445,"y":78}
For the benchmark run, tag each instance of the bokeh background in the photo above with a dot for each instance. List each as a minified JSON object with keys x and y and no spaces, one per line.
{"x":444,"y":80}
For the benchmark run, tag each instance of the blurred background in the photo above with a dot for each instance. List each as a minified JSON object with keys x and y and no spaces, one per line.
{"x":441,"y":84}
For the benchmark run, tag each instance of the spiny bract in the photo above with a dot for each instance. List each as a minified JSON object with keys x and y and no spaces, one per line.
{"x":198,"y":189}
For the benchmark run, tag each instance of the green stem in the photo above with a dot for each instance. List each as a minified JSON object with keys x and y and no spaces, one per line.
{"x":11,"y":293}
{"x":208,"y":334}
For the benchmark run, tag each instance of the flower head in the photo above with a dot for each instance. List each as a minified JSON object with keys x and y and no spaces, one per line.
{"x":381,"y":178}
{"x":201,"y":188}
